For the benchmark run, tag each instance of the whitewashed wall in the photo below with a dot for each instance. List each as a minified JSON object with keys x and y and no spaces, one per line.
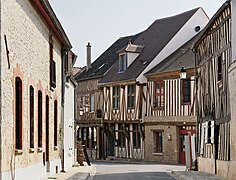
{"x":69,"y":126}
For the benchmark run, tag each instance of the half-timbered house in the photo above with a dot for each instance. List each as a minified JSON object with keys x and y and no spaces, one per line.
{"x":215,"y":123}
{"x":90,"y":98}
{"x":170,"y":114}
{"x":124,"y":85}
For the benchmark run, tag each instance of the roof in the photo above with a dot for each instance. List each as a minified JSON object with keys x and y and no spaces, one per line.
{"x":101,"y":65}
{"x":183,"y":56}
{"x":46,"y":11}
{"x":154,"y":39}
{"x":210,"y":23}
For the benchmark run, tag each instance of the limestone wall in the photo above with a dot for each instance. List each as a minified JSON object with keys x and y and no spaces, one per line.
{"x":28,"y":44}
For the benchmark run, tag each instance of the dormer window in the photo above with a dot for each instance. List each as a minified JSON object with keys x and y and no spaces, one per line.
{"x":122,"y":62}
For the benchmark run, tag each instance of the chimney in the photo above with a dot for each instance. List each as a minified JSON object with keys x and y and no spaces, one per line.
{"x":88,"y":56}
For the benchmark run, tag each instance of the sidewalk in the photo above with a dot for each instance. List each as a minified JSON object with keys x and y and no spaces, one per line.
{"x":194,"y":175}
{"x":76,"y":173}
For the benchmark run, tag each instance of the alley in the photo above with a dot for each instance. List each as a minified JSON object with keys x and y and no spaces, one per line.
{"x":117,"y":171}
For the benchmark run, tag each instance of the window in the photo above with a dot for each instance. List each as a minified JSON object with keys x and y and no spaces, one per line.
{"x":158,"y":144}
{"x":31,"y":107}
{"x":55,"y":123}
{"x":40,"y":123}
{"x":186,"y":91}
{"x":122,"y":63}
{"x":18,"y":107}
{"x":92,"y":103}
{"x":219,"y":62}
{"x":116,"y":97}
{"x":52,"y":68}
{"x":136,"y":136}
{"x":121,"y":136}
{"x":158,"y":100}
{"x":131,"y":96}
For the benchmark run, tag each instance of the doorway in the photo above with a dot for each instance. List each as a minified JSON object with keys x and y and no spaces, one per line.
{"x":184,"y":131}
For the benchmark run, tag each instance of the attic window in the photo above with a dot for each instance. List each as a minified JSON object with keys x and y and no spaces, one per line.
{"x":122,"y":62}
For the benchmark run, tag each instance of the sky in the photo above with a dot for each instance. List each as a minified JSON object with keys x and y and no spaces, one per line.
{"x":102,"y":22}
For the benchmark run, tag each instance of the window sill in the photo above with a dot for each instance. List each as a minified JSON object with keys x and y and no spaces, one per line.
{"x":159,"y":108}
{"x":18,"y":151}
{"x":31,"y":150}
{"x":55,"y":148}
{"x":185,"y":103}
{"x":40,"y":149}
{"x":157,"y":154}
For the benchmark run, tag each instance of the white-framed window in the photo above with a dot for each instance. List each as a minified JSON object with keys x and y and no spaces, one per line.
{"x":122,"y":62}
{"x":92,"y":103}
{"x":116,"y":97}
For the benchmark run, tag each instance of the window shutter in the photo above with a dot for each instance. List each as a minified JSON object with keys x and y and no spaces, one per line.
{"x":52,"y":73}
{"x":31,"y":117}
{"x":18,"y":106}
{"x":40,"y":119}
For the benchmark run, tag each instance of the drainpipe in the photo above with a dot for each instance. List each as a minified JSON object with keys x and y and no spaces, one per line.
{"x":64,"y":52}
{"x":196,"y":109}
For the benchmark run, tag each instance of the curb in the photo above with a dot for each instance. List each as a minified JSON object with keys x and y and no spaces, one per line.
{"x":92,"y":173}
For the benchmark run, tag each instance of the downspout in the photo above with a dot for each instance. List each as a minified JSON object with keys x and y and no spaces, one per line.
{"x":1,"y":98}
{"x":63,"y":80}
{"x":196,"y":109}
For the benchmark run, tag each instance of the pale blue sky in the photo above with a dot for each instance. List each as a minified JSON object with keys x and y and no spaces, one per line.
{"x":101,"y":22}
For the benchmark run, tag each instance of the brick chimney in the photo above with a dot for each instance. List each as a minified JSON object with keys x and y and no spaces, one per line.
{"x":88,"y":47}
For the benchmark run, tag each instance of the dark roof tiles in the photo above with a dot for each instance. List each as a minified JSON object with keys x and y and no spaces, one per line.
{"x":183,"y":56}
{"x":100,"y":66}
{"x":154,"y":39}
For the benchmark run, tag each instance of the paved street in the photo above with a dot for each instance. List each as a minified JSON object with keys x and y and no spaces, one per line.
{"x":117,"y":171}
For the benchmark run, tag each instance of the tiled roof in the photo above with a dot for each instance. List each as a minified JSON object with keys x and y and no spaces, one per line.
{"x":154,"y":39}
{"x":100,"y":66}
{"x":183,"y":56}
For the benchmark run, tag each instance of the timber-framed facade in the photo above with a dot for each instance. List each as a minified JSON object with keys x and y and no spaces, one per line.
{"x":90,"y":99}
{"x":124,"y":114}
{"x":213,"y":58}
{"x":170,"y":103}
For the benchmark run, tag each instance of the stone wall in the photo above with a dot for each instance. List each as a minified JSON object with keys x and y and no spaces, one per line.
{"x":170,"y":153}
{"x":28,"y":44}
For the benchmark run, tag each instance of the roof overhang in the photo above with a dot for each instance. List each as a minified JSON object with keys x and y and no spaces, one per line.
{"x":48,"y":15}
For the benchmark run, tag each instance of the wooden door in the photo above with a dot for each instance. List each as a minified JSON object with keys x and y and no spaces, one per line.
{"x":184,"y":130}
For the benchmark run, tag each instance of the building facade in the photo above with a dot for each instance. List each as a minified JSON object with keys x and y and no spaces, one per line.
{"x":215,"y":93}
{"x":69,"y":106}
{"x":170,"y":108}
{"x":32,"y":40}
{"x":125,"y":86}
{"x":90,"y":98}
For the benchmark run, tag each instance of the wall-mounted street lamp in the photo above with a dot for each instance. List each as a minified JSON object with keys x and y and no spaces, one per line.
{"x":183,"y":73}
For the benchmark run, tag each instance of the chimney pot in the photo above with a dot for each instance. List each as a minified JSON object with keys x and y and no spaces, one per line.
{"x":88,"y":56}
